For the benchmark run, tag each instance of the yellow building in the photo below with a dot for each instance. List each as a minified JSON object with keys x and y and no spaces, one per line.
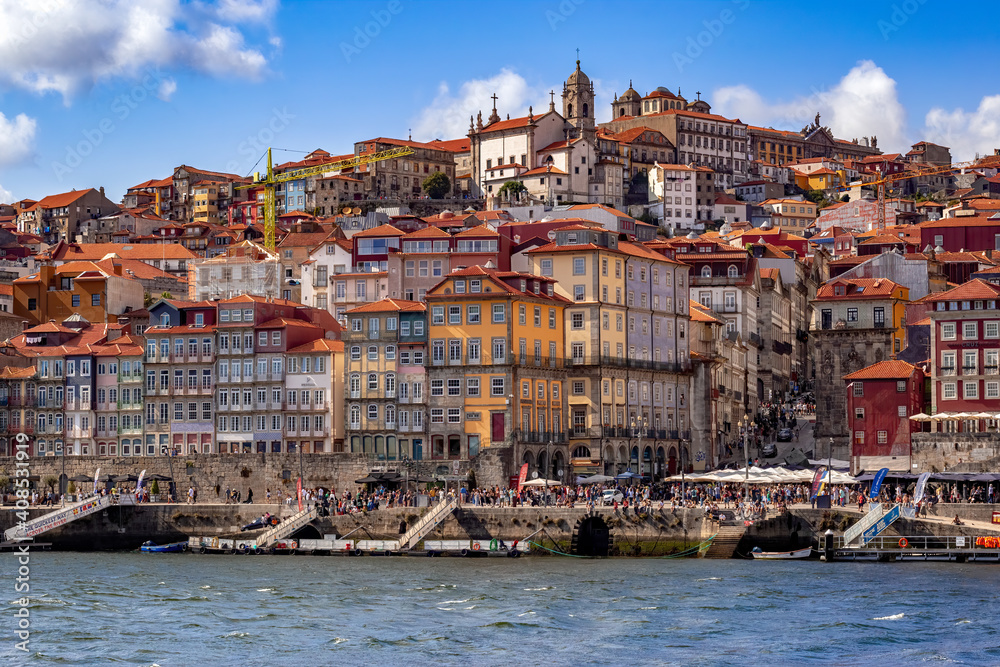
{"x":496,"y":366}
{"x":206,"y":202}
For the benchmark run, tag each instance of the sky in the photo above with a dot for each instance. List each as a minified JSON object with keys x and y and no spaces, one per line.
{"x":115,"y":92}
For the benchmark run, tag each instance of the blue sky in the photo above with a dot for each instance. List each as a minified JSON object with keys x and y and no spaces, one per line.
{"x":116,"y":92}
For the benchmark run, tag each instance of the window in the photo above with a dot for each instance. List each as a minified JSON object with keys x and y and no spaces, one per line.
{"x":901,"y":411}
{"x":947,"y":331}
{"x":437,"y":387}
{"x":859,"y":413}
{"x":949,"y":391}
{"x":579,"y":266}
{"x":454,"y":415}
{"x":545,"y":267}
{"x":472,"y":314}
{"x":859,"y":437}
{"x":971,"y":390}
{"x":76,"y":300}
{"x":969,"y":330}
{"x":472,"y":387}
{"x":993,"y":389}
{"x":499,"y":313}
{"x":497,"y":386}
{"x":852,"y":314}
{"x":948,"y":363}
{"x":95,"y":299}
{"x":991,"y":329}
{"x":859,"y":388}
{"x":882,"y":437}
{"x":437,"y":315}
{"x":576,"y":320}
{"x":901,"y":386}
{"x":578,"y":388}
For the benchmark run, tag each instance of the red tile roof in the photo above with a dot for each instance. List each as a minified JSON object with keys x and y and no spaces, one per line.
{"x":890,"y":369}
{"x":857,"y":288}
{"x":390,"y":305}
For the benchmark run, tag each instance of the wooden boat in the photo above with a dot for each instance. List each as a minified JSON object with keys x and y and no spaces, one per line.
{"x":781,"y":555}
{"x":173,"y":547}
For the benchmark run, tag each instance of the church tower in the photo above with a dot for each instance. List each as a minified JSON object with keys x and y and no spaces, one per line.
{"x":578,"y":102}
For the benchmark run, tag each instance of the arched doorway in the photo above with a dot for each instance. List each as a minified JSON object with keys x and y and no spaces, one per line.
{"x":543,"y":468}
{"x":647,"y":462}
{"x":672,"y":461}
{"x":661,"y":462}
{"x":621,"y":460}
{"x":593,"y":538}
{"x":528,"y":458}
{"x":609,"y":459}
{"x":560,"y":467}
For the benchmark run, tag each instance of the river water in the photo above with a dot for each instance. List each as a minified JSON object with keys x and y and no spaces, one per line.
{"x":185,"y":609}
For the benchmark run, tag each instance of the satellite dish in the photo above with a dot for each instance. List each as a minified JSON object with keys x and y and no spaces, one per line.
{"x":534,"y":474}
{"x":356,"y":210}
{"x":551,"y":235}
{"x":346,"y":210}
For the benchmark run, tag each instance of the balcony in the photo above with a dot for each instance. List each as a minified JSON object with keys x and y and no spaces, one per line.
{"x":158,"y":427}
{"x":78,"y":432}
{"x":969,"y":370}
{"x":947,"y":371}
{"x":621,"y":362}
{"x":390,"y":336}
{"x":542,"y":437}
{"x":131,"y":430}
{"x":878,"y":324}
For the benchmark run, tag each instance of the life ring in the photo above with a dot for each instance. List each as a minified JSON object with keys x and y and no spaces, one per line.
{"x":494,"y":544}
{"x":903,"y":543}
{"x":476,"y":546}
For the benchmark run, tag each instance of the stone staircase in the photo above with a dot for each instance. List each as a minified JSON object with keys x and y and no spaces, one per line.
{"x":725,"y":542}
{"x":286,"y":527}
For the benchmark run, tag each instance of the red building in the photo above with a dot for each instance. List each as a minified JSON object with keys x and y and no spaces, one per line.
{"x":965,"y":353}
{"x":974,"y":232}
{"x":880,"y":401}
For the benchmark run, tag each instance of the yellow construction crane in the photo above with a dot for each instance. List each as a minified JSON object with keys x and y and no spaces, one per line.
{"x":880,"y":184}
{"x":270,"y":180}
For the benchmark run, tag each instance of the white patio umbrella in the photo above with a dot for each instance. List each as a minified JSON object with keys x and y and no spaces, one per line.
{"x":548,"y":483}
{"x":921,"y":417}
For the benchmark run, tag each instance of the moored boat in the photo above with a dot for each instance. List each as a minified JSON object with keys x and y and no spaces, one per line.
{"x":781,"y":555}
{"x":173,"y":547}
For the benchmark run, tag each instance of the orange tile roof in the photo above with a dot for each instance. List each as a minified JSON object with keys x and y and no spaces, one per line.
{"x":981,"y":220}
{"x":974,"y":289}
{"x":63,"y":199}
{"x":857,"y":288}
{"x":478,"y":230}
{"x":140,"y":251}
{"x":429,"y":232}
{"x":452,"y":145}
{"x":381,"y":230}
{"x":318,"y":345}
{"x":890,"y":369}
{"x":701,"y":314}
{"x":390,"y":305}
{"x":544,"y":170}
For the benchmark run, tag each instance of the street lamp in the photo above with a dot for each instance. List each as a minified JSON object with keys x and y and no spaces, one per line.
{"x":640,"y":426}
{"x":746,"y":424}
{"x":548,"y":464}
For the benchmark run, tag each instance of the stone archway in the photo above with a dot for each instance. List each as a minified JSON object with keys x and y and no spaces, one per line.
{"x":592,"y":537}
{"x":672,"y":461}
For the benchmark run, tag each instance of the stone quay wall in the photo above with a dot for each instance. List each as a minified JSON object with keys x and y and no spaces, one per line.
{"x":212,"y":474}
{"x":974,"y":452}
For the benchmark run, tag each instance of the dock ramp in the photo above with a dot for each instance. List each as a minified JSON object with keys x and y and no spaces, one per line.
{"x":57,"y":518}
{"x":878,"y":518}
{"x":426,"y":524}
{"x":286,"y":527}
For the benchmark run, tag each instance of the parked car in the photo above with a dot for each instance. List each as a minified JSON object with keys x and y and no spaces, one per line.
{"x":785,"y":435}
{"x":610,"y":496}
{"x":769,"y":451}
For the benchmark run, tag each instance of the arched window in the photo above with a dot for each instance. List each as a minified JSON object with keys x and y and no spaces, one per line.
{"x":390,"y":415}
{"x":733,"y":271}
{"x":355,"y":444}
{"x":581,"y":452}
{"x":621,"y":112}
{"x":569,"y":111}
{"x":355,"y":416}
{"x":706,"y":272}
{"x":586,"y":109}
{"x":372,"y":412}
{"x":390,"y":384}
{"x":355,"y":383}
{"x":372,"y":381}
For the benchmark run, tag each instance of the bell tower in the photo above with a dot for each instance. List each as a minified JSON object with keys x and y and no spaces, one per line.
{"x":578,"y":101}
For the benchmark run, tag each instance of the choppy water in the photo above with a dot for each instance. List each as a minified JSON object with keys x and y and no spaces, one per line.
{"x":183,"y":609}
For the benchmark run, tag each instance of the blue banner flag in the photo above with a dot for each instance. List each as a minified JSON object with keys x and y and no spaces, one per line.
{"x":877,"y":482}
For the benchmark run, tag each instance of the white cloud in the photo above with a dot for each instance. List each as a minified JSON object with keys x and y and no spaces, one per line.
{"x":6,"y":197}
{"x":17,"y":138}
{"x":863,"y":103}
{"x":966,"y":132}
{"x":67,"y":46}
{"x":166,"y":89}
{"x":447,"y":117}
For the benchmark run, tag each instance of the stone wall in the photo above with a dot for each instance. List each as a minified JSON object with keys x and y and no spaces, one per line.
{"x":968,"y":452}
{"x":211,"y":474}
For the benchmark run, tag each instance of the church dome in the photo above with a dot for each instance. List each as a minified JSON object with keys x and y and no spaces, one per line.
{"x":578,"y":77}
{"x":630,"y":95}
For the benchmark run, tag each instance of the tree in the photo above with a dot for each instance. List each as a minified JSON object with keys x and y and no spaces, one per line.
{"x":511,"y":191}
{"x":437,"y":185}
{"x":50,"y":482}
